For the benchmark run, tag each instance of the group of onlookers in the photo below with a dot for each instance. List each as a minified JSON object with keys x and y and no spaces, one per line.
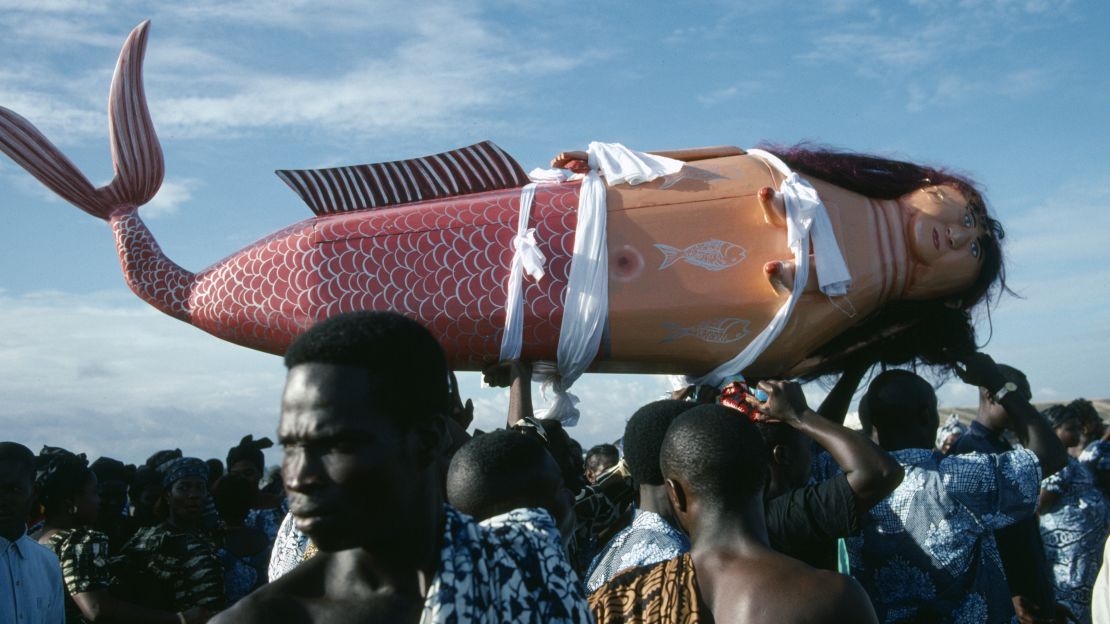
{"x":744,"y":505}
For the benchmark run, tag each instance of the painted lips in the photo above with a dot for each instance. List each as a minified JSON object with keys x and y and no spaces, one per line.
{"x":936,"y":239}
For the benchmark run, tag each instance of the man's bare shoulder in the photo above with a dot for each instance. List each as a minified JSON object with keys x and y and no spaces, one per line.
{"x":284,"y":600}
{"x":834,"y":597}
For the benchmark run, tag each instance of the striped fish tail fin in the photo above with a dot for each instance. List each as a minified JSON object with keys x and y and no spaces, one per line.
{"x":136,"y":153}
{"x":480,"y":167}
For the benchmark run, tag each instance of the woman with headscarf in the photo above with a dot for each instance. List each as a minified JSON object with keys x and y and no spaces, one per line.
{"x":67,"y":491}
{"x":1074,"y":521}
{"x":173,"y":565}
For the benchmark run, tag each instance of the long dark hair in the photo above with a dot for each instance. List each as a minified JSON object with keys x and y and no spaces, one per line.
{"x":934,"y":332}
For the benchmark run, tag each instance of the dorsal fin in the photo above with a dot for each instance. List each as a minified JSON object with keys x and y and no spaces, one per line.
{"x":473,"y":169}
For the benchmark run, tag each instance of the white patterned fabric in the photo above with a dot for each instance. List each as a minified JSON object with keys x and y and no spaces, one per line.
{"x":1073,"y":531}
{"x":509,"y":568}
{"x":927,"y":552}
{"x":648,"y":540}
{"x":289,"y":548}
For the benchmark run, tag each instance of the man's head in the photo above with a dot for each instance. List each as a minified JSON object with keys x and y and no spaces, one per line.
{"x":790,"y":454}
{"x":566,"y":451}
{"x":902,"y":407}
{"x":234,"y":496}
{"x":362,"y":425}
{"x":503,"y":470}
{"x":991,"y":413}
{"x":112,"y":477}
{"x":600,"y":459}
{"x":713,"y":459}
{"x":17,"y":478}
{"x":643,"y":439}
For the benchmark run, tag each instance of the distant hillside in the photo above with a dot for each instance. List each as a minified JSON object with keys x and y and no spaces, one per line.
{"x":967,"y":414}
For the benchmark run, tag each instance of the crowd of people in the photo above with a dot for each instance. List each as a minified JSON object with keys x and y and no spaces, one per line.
{"x":738,"y":504}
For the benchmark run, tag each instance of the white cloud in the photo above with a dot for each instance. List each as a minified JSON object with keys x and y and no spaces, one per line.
{"x":174,"y":192}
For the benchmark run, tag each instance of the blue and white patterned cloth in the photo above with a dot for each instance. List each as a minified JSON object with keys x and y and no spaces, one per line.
{"x":288,"y":551}
{"x":927,"y":552}
{"x":648,"y":540}
{"x":509,"y":568}
{"x":1073,"y":531}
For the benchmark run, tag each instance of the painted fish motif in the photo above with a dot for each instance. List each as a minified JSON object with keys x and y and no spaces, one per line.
{"x":443,"y":261}
{"x":716,"y":331}
{"x":713,"y":254}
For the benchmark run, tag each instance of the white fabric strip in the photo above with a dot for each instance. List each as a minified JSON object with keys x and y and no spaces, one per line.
{"x":806,"y":218}
{"x":527,"y":258}
{"x":587,"y":298}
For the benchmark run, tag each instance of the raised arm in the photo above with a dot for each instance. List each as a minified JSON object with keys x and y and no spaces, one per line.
{"x":871,"y":472}
{"x":836,"y":404}
{"x":517,"y":376}
{"x":979,"y":369}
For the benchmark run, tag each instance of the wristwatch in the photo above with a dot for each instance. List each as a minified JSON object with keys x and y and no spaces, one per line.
{"x":1004,"y":390}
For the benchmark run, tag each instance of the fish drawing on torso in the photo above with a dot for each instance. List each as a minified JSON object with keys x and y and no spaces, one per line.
{"x":716,"y":331}
{"x":713,"y":255}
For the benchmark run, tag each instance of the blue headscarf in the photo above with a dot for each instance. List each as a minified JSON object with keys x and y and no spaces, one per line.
{"x":183,"y":468}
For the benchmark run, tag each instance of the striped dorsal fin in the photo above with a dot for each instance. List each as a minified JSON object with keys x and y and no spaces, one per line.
{"x":479,"y":167}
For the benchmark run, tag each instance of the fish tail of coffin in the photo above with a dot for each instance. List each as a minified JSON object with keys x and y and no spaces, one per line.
{"x":136,"y":153}
{"x":139,"y":167}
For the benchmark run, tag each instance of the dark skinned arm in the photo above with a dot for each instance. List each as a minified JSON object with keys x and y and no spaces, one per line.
{"x":871,"y":472}
{"x":836,"y":404}
{"x":101,"y":606}
{"x":517,"y":376}
{"x":1034,"y":432}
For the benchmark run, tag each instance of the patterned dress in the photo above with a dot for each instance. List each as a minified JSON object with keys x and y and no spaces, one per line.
{"x":666,"y":592}
{"x":165,"y":568}
{"x":83,"y":554}
{"x":1096,"y":457}
{"x":509,"y":568}
{"x":650,"y":539}
{"x":1074,"y":531}
{"x":927,"y":552}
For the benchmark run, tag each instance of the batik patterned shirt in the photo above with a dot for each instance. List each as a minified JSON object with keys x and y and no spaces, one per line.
{"x":649,"y":539}
{"x":509,"y":568}
{"x":170,"y":569}
{"x":289,"y":549}
{"x":927,"y":552}
{"x":83,"y":554}
{"x":1073,"y":531}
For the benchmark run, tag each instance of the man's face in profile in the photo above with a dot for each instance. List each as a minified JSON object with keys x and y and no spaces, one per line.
{"x":348,"y":469}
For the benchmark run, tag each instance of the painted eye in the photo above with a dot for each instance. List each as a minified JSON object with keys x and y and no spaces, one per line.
{"x":969,"y":221}
{"x":974,"y":249}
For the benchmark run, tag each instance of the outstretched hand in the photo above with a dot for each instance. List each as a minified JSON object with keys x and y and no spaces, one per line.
{"x":786,"y":403}
{"x":462,"y":413}
{"x":502,"y":374}
{"x":979,"y":369}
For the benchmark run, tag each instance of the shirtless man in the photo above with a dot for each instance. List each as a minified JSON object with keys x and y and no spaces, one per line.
{"x":715,"y":466}
{"x":363,"y":429}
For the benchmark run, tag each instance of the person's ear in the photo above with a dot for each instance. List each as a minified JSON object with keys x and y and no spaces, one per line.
{"x":432,"y":439}
{"x":780,"y":454}
{"x":677,"y":495}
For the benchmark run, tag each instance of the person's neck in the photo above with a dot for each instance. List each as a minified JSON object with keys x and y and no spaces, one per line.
{"x":899,"y":277}
{"x":653,"y":498}
{"x":411,"y":562}
{"x":183,"y":524}
{"x":737,"y":528}
{"x":891,"y":442}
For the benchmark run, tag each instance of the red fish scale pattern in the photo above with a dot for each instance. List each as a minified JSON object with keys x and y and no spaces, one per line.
{"x":444,"y":263}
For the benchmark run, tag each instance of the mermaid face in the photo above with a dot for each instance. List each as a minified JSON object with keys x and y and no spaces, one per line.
{"x":943,"y":235}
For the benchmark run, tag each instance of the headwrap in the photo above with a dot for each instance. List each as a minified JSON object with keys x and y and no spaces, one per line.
{"x":950,"y":426}
{"x":250,"y":450}
{"x":108,"y":469}
{"x":59,"y":474}
{"x":183,"y":468}
{"x":1059,"y":414}
{"x":156,"y":460}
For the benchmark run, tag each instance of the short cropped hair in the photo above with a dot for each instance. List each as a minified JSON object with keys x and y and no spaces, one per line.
{"x":643,"y":438}
{"x":718,"y":452}
{"x":896,"y":392}
{"x":607,"y":452}
{"x":23,"y":457}
{"x":494,"y":473}
{"x":404,"y":362}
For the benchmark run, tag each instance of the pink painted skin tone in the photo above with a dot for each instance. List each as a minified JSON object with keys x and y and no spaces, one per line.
{"x":445,"y":262}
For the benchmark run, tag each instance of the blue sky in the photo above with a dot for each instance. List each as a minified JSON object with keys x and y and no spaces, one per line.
{"x":1012,"y":92}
